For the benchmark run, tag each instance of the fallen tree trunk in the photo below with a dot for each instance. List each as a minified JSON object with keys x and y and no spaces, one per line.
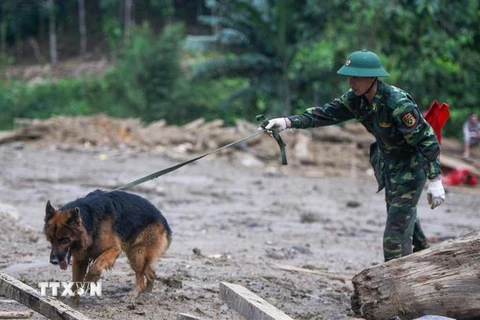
{"x":443,"y":280}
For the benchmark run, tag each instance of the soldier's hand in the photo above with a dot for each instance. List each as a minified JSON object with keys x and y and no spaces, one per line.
{"x":279,"y":124}
{"x":435,"y":193}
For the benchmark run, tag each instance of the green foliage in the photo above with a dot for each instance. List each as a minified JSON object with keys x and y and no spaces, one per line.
{"x":5,"y":61}
{"x":111,"y":25}
{"x":73,"y":97}
{"x":277,"y":56}
{"x":42,"y":100}
{"x":148,"y":73}
{"x":7,"y":110}
{"x":264,"y":38}
{"x":205,"y":99}
{"x":312,"y":75}
{"x":148,"y":82}
{"x":113,"y":32}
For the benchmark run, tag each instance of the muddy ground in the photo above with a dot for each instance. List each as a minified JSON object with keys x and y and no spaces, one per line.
{"x":230,"y":222}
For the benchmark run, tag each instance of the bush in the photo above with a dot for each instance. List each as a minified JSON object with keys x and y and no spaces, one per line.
{"x":41,"y":101}
{"x":145,"y":84}
{"x":146,"y":77}
{"x":149,"y":82}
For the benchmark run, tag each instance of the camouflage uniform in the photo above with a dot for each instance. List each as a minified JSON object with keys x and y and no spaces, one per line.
{"x":405,"y":154}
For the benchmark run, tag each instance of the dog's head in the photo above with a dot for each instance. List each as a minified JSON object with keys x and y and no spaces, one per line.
{"x":63,"y":230}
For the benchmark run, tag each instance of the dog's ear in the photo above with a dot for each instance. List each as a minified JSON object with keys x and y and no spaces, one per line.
{"x":49,"y":211}
{"x":75,"y":216}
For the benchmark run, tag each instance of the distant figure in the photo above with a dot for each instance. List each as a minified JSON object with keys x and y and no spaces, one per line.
{"x":471,"y":134}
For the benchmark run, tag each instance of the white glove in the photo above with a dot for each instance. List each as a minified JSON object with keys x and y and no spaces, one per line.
{"x":435,"y":193}
{"x":279,"y":124}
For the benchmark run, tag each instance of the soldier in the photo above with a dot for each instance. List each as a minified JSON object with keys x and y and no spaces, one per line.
{"x":405,"y":154}
{"x":471,"y":134}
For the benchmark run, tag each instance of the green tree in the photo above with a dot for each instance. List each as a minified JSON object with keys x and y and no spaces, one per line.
{"x":148,"y":71}
{"x":431,"y":48}
{"x":262,"y":39}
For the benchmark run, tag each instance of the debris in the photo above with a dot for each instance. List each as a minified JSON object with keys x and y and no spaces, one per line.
{"x":305,"y":270}
{"x":172,"y":282}
{"x":221,"y":256}
{"x":309,"y":217}
{"x":353,"y":204}
{"x":186,"y":316}
{"x":15,"y":314}
{"x":459,"y":176}
{"x":51,"y":308}
{"x":248,"y":304}
{"x":287,"y":253}
{"x":455,"y":164}
{"x":104,"y":134}
{"x":333,"y":149}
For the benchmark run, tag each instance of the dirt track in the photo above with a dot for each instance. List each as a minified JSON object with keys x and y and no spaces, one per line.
{"x":230,"y":223}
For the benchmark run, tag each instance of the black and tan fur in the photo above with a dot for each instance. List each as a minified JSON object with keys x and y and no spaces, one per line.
{"x":94,"y":230}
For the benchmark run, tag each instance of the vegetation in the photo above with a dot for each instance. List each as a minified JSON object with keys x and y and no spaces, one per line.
{"x":274,"y":57}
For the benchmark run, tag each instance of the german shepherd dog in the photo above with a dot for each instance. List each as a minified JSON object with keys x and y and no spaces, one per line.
{"x":95,"y":229}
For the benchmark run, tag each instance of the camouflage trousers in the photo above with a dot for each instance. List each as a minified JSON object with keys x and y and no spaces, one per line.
{"x":404,"y":180}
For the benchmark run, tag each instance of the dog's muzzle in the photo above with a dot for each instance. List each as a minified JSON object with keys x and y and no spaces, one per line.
{"x":54,"y":259}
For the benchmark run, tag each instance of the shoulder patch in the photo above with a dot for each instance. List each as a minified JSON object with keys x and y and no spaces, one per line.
{"x":409,"y":119}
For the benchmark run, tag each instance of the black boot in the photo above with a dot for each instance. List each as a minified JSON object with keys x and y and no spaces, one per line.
{"x":420,"y":247}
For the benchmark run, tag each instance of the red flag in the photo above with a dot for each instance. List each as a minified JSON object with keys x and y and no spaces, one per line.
{"x":437,"y":115}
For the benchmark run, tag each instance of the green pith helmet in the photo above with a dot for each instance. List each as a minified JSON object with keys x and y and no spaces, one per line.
{"x":363,"y":64}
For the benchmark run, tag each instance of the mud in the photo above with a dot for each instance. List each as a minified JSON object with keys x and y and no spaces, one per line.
{"x":230,"y":223}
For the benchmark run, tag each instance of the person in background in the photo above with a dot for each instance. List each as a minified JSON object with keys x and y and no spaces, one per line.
{"x":405,"y":154}
{"x":471,"y":134}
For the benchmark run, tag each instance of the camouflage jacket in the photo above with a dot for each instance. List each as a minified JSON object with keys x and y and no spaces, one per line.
{"x":393,"y":118}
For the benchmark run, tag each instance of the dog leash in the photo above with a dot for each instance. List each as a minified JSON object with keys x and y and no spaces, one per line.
{"x":157,"y":174}
{"x":276,"y":135}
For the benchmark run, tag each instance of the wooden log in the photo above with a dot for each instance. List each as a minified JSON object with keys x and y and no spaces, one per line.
{"x":49,"y":307}
{"x":443,"y":280}
{"x":15,"y":136}
{"x":248,"y":304}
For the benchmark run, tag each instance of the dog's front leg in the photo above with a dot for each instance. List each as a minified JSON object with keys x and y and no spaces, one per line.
{"x":105,"y":260}
{"x":79,"y":269}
